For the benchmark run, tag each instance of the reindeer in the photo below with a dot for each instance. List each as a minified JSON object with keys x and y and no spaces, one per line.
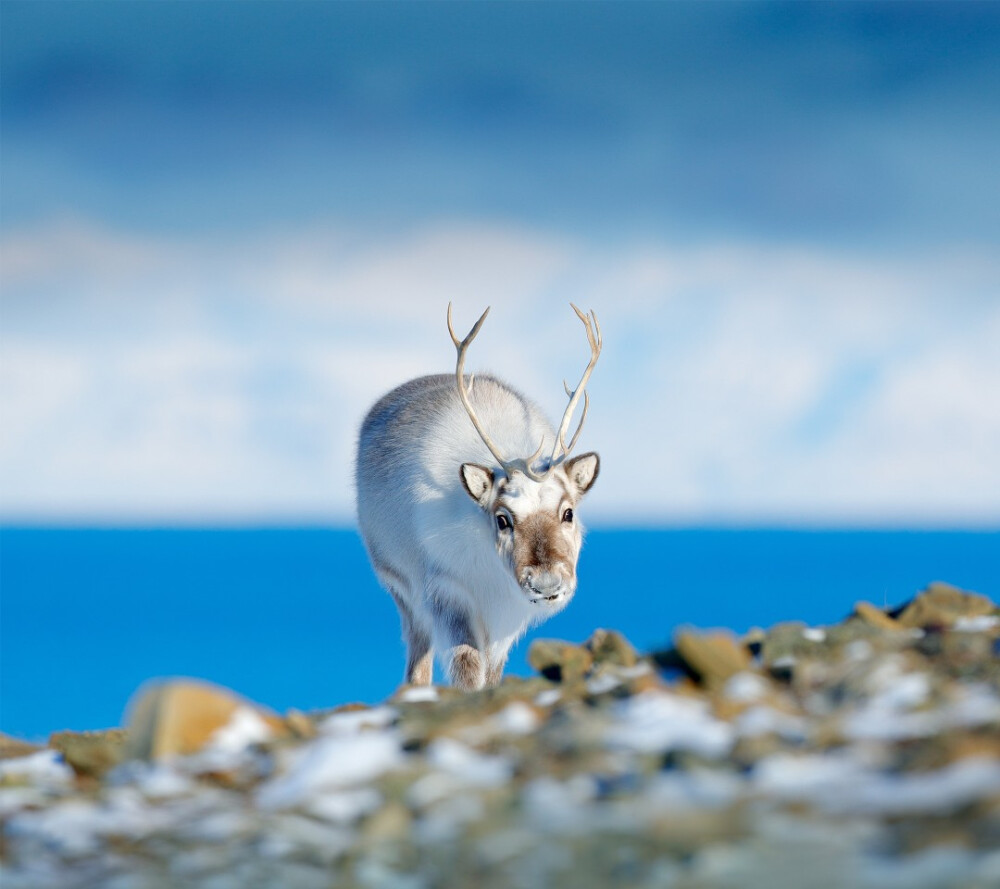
{"x":475,"y":541}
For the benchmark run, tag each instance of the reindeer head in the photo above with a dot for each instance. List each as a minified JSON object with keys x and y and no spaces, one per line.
{"x":531,"y":501}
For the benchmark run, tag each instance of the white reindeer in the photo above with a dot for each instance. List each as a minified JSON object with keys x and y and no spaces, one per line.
{"x":473,"y":546}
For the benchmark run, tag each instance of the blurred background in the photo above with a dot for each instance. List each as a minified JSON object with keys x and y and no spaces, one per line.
{"x":228,"y":227}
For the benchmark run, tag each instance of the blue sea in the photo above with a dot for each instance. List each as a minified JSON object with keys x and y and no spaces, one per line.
{"x":294,"y":617}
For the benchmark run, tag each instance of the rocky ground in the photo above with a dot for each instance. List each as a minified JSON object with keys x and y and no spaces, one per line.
{"x":865,"y":754}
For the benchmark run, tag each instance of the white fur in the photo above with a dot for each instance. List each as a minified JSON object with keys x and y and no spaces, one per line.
{"x":435,"y":548}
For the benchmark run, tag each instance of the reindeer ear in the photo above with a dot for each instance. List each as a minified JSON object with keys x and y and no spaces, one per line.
{"x":477,"y":481}
{"x":582,"y":471}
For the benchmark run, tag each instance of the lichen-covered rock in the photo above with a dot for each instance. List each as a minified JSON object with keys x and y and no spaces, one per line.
{"x":942,"y":605}
{"x":560,"y":661}
{"x":785,"y":643}
{"x":611,"y":647}
{"x":91,"y":754}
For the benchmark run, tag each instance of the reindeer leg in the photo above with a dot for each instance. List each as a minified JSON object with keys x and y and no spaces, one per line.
{"x":466,"y":664}
{"x":494,"y":671}
{"x":419,"y":657}
{"x":494,"y":674}
{"x":465,"y":668}
{"x":499,"y":651}
{"x":419,"y":653}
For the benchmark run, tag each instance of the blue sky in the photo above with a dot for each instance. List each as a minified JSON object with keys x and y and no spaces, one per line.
{"x":226,"y":228}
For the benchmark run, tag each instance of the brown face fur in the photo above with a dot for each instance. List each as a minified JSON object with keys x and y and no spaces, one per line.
{"x":541,"y":545}
{"x":535,"y":525}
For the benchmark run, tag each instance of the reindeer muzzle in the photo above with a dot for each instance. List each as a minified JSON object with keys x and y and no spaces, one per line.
{"x":546,"y":587}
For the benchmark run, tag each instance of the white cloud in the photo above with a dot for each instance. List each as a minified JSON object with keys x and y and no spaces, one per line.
{"x":160,"y":378}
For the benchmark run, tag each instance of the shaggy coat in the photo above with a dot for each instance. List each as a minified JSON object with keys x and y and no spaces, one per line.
{"x":472,"y":554}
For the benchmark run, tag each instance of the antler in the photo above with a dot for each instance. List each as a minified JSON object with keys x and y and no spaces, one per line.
{"x":462,"y":346}
{"x":561,"y":450}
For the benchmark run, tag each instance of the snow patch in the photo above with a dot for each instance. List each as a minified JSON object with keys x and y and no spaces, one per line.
{"x":655,"y":722}
{"x":245,"y":727}
{"x":762,"y":720}
{"x":420,"y":694}
{"x":161,"y":781}
{"x":45,"y":768}
{"x":549,"y":697}
{"x":842,"y":785}
{"x":468,"y":765}
{"x":746,"y":687}
{"x":344,"y":806}
{"x":559,"y":806}
{"x":599,"y":685}
{"x":979,"y":624}
{"x":516,"y":719}
{"x":333,"y":762}
{"x":352,"y":722}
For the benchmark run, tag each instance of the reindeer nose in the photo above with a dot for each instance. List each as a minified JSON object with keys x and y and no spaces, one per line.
{"x":546,"y":584}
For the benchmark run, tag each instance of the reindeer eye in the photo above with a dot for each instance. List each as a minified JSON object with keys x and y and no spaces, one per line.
{"x":503,"y":523}
{"x":568,"y":515}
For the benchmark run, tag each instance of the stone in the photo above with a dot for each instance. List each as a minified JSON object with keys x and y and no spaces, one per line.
{"x":91,"y":754}
{"x":753,"y":640}
{"x":712,"y":657}
{"x":392,"y":822}
{"x":181,"y":717}
{"x":876,"y":617}
{"x":13,"y":747}
{"x":787,"y":642}
{"x":611,"y":647}
{"x":560,"y":661}
{"x":941,"y":605}
{"x":300,"y":725}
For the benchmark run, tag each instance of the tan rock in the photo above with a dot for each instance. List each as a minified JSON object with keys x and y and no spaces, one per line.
{"x":90,"y":753}
{"x":875,"y":617}
{"x":712,"y":657}
{"x":942,"y":604}
{"x":645,"y":681}
{"x":559,"y":661}
{"x":300,"y":725}
{"x":611,"y":647}
{"x":13,"y":747}
{"x":181,"y":717}
{"x":983,"y":745}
